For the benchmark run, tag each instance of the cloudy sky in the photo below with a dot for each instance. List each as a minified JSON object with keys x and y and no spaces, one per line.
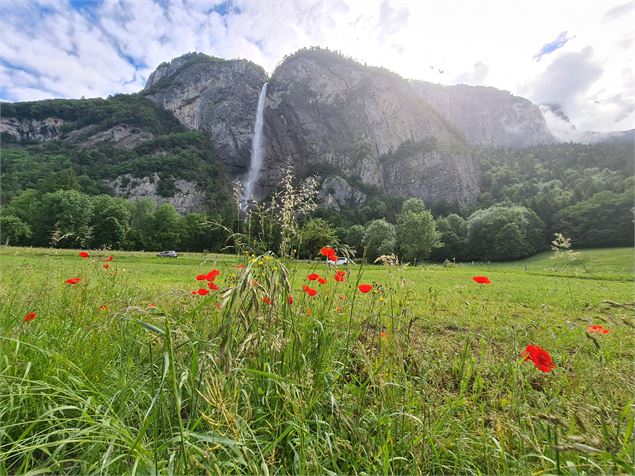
{"x":578,"y":54}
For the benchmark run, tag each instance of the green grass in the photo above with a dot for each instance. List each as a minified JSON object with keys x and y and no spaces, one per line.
{"x":422,"y":375}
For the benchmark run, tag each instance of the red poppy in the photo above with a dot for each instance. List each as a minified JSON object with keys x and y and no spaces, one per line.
{"x":103,"y":307}
{"x":365,"y":288}
{"x":84,"y":254}
{"x":327,"y":251}
{"x":201,"y":277}
{"x":109,"y":258}
{"x":309,"y":291}
{"x":339,"y":276}
{"x":73,"y":280}
{"x":540,"y":357}
{"x":201,"y":292}
{"x":211,"y":276}
{"x":482,"y":280}
{"x":266,"y":300}
{"x":383,"y":335}
{"x":290,"y":300}
{"x":332,"y":258}
{"x":152,"y":306}
{"x":29,"y":316}
{"x":106,"y":266}
{"x":241,"y":266}
{"x":322,"y":280}
{"x":313,"y":276}
{"x":597,"y":330}
{"x":213,"y":286}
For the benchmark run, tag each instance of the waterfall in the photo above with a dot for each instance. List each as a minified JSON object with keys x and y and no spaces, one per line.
{"x":256,"y":149}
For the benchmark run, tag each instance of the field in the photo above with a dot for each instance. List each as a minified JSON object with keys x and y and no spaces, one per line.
{"x":128,"y":371}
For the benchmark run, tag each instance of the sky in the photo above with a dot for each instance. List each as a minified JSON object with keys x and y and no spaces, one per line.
{"x":577,"y":54}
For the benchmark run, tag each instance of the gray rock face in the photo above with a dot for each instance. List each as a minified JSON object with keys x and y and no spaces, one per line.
{"x":120,"y":137}
{"x":488,"y":116}
{"x":188,"y":196}
{"x":336,"y":192}
{"x":217,"y":97}
{"x":328,"y":113}
{"x":31,"y":129}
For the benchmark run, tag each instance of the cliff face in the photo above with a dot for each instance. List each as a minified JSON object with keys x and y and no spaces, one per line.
{"x":488,"y":116}
{"x":215,"y":96}
{"x":328,"y":113}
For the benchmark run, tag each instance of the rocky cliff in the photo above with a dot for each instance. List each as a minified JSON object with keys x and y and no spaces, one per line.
{"x":488,"y":116}
{"x":218,"y":97}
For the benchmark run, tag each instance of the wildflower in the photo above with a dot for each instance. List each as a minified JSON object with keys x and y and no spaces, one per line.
{"x":365,"y":288}
{"x":339,"y":276}
{"x":106,"y":266}
{"x":290,"y":300}
{"x":322,"y":280}
{"x":327,"y":251}
{"x":597,"y":330}
{"x":481,"y":280}
{"x":241,"y":266}
{"x":309,"y":291}
{"x":211,"y":276}
{"x":103,"y":307}
{"x":201,"y":277}
{"x":201,"y":292}
{"x":540,"y":358}
{"x":332,"y":258}
{"x":152,"y":306}
{"x":383,"y":335}
{"x":213,"y":286}
{"x":266,"y":300}
{"x":313,"y":276}
{"x":109,"y":258}
{"x":29,"y":316}
{"x":84,"y":254}
{"x":73,"y":280}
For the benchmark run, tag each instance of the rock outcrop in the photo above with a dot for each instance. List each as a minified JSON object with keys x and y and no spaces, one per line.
{"x":218,"y":97}
{"x":488,"y":116}
{"x":31,"y":130}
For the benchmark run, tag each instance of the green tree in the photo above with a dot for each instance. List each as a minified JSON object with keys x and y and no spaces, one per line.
{"x":68,"y":216}
{"x":416,"y":231}
{"x":379,"y":239}
{"x":453,"y":237}
{"x":141,"y":224}
{"x":110,"y":221}
{"x":354,"y":237}
{"x":315,"y":234}
{"x":167,"y":228}
{"x":12,"y":229}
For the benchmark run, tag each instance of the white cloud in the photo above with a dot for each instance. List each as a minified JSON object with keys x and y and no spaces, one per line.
{"x":49,"y":49}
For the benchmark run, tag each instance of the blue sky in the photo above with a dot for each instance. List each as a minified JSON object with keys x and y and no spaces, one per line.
{"x":576,"y":54}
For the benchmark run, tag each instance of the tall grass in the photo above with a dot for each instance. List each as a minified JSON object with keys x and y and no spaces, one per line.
{"x":422,"y":375}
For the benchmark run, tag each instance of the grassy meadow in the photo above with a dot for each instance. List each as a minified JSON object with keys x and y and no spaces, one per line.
{"x":127,"y":371}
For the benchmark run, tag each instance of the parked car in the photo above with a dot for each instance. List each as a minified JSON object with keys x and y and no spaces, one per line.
{"x":167,"y":254}
{"x":340,"y":261}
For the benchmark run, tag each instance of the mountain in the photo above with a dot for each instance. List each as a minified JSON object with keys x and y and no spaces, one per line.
{"x":488,"y":116}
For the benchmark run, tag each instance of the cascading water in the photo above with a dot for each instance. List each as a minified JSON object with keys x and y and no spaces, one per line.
{"x":256,"y":149}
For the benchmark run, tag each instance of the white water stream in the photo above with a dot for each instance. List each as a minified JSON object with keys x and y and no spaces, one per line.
{"x":256,"y":150}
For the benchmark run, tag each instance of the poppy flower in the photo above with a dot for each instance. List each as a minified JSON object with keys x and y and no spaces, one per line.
{"x":73,"y":280}
{"x":29,"y":316}
{"x":109,"y":258}
{"x":332,"y":258}
{"x":201,"y":292}
{"x":103,"y":307}
{"x":309,"y":291}
{"x":313,"y":276}
{"x":327,"y":251}
{"x":322,"y":280}
{"x":290,"y":300}
{"x":597,"y":330}
{"x":211,"y":276}
{"x":481,"y":280}
{"x":365,"y":288}
{"x":201,"y":277}
{"x":152,"y":306}
{"x":339,"y":276}
{"x":266,"y":300}
{"x":84,"y":254}
{"x":106,"y":266}
{"x":540,"y":357}
{"x":241,"y":266}
{"x":213,"y":286}
{"x":383,"y":335}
